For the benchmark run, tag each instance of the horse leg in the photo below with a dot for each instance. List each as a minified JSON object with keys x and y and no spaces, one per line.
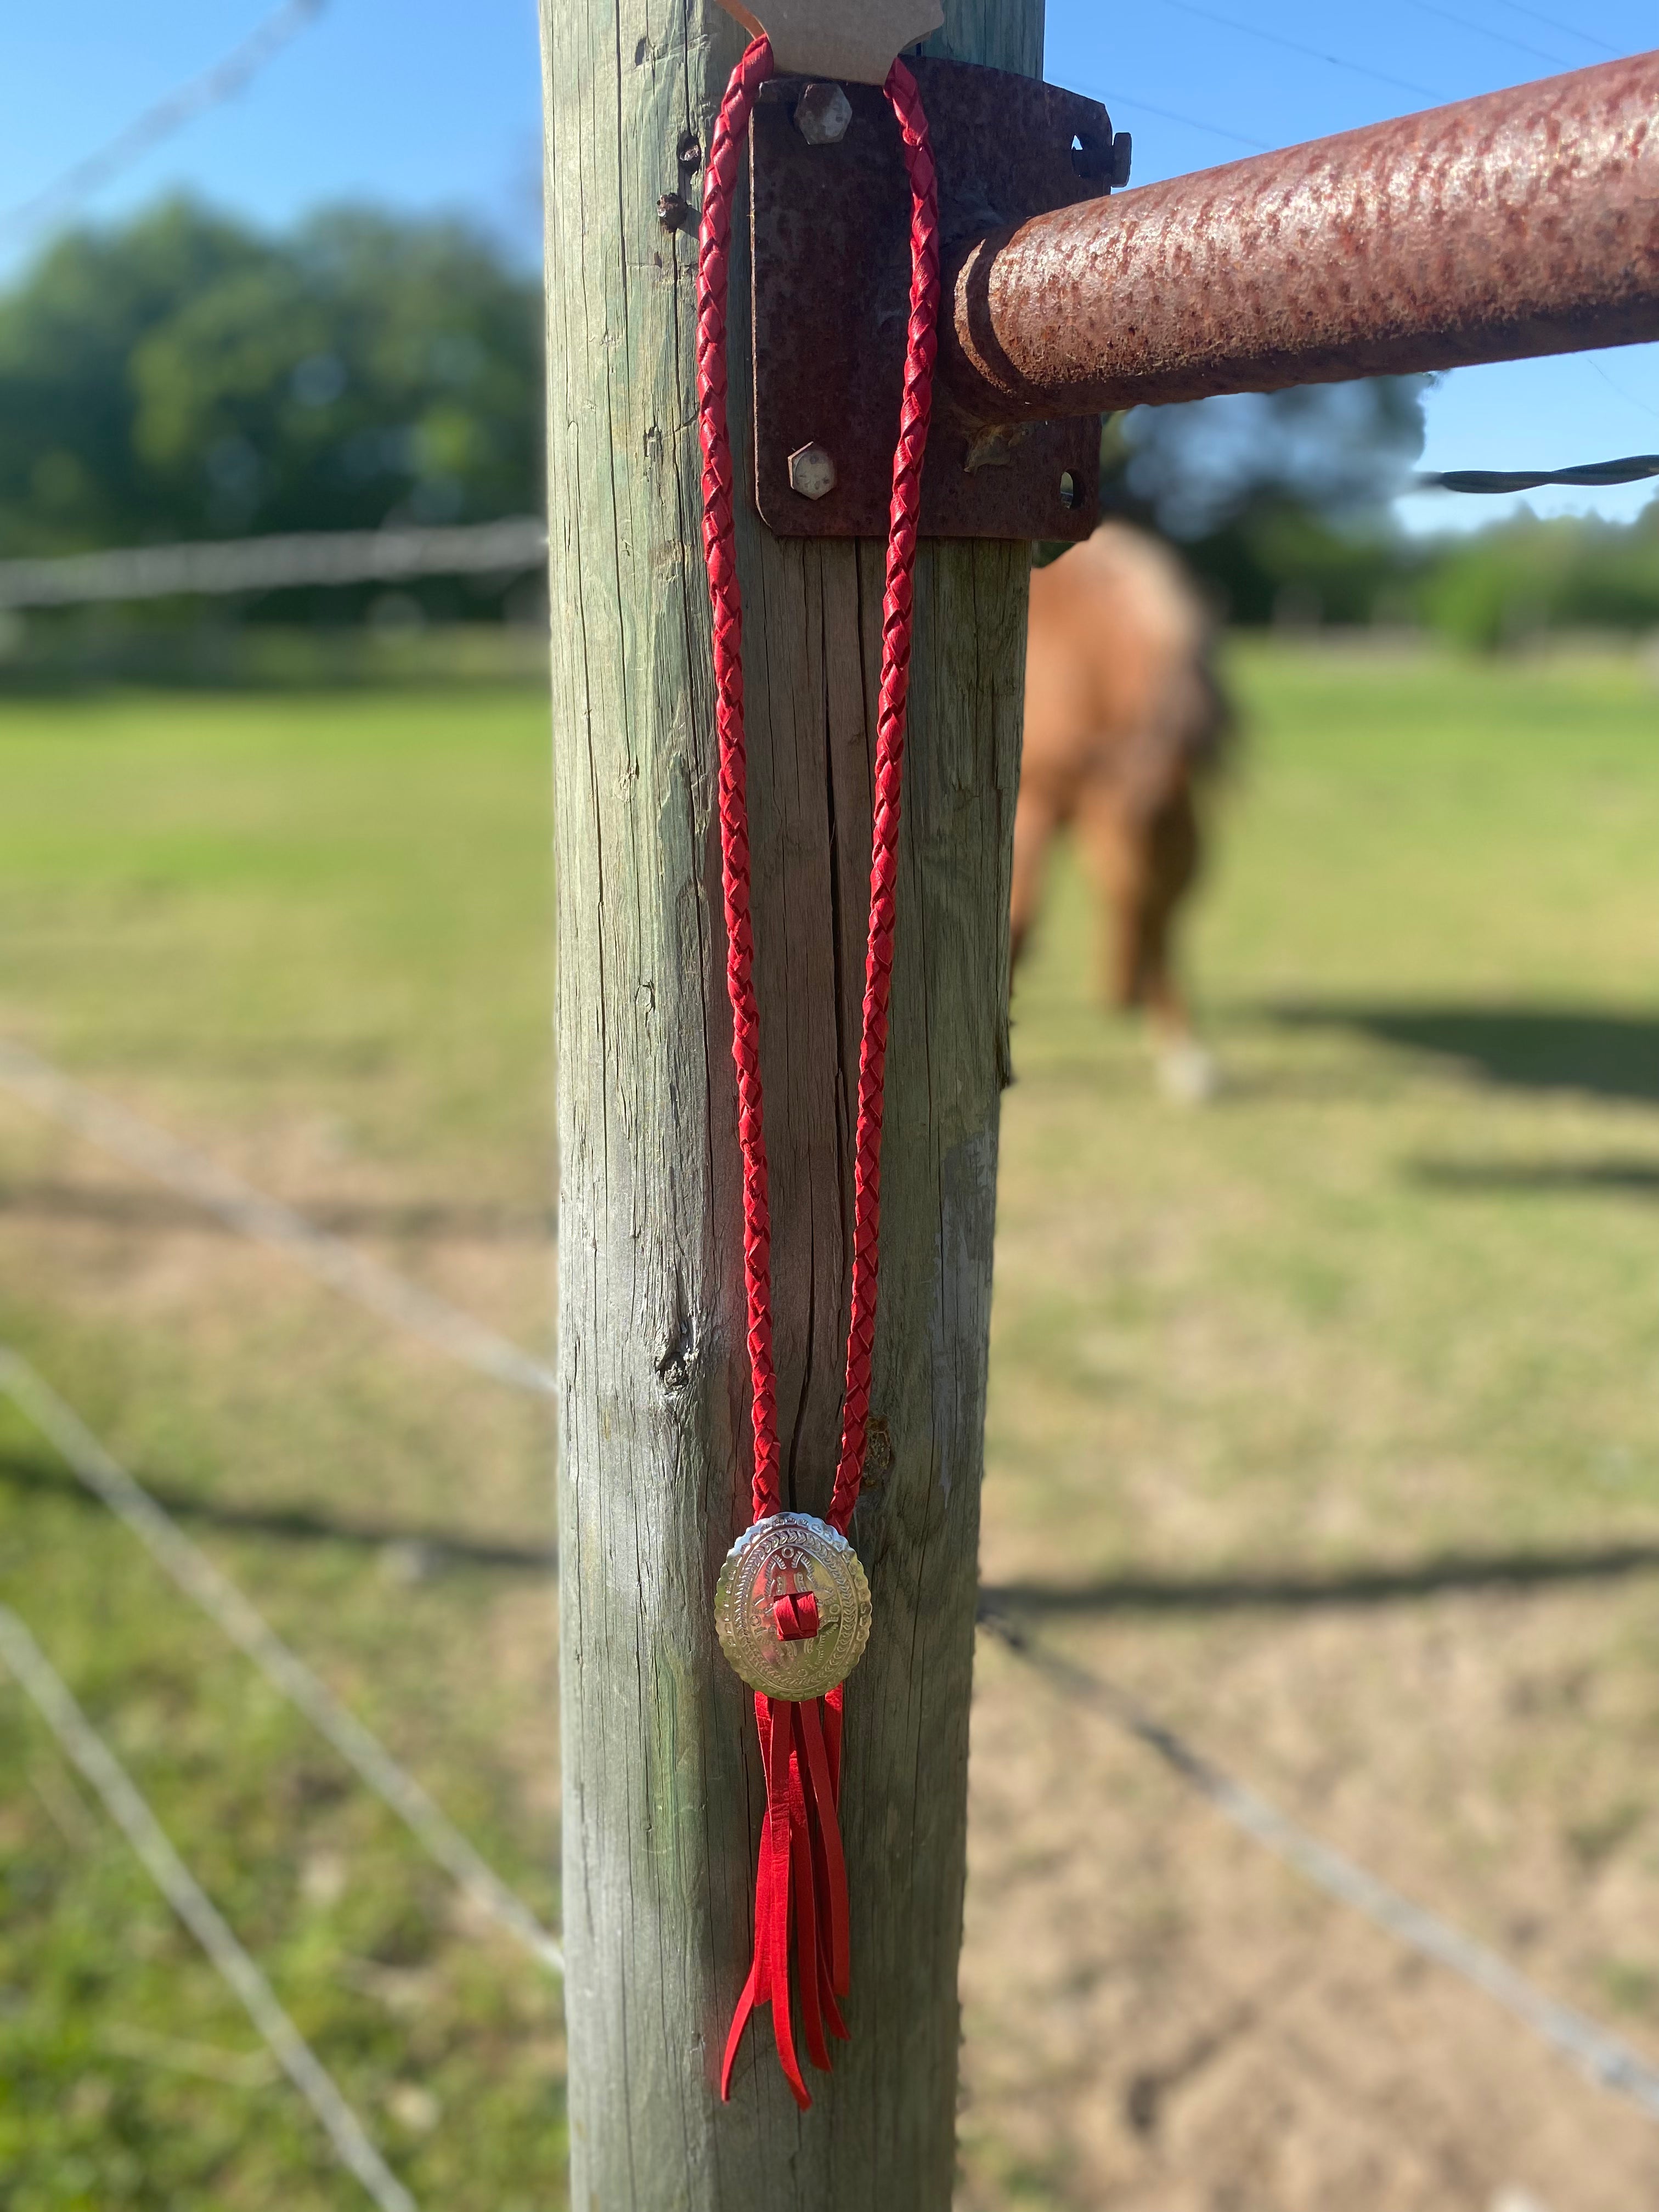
{"x":1173,"y":853}
{"x":1111,"y":851}
{"x":1037,"y":816}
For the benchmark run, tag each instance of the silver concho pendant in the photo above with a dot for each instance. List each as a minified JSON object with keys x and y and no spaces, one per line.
{"x":791,"y":1555}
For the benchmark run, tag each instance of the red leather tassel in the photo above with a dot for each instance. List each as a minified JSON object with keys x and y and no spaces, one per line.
{"x":830,"y":1885}
{"x":800,"y":1889}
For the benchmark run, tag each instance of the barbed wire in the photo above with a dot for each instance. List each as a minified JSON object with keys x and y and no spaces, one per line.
{"x":225,"y":1604}
{"x":420,"y":1312}
{"x":1605,"y":2057}
{"x":126,"y":1806}
{"x":193,"y":98}
{"x":394,"y":554}
{"x":1633,"y":469}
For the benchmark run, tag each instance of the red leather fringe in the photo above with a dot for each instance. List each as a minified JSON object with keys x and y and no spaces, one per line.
{"x":799,"y":1890}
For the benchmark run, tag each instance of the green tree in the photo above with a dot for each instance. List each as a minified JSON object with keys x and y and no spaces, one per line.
{"x":1277,"y":500}
{"x":185,"y":376}
{"x":1499,"y":585}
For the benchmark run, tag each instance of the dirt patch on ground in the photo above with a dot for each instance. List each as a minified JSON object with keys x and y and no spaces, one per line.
{"x":1159,"y":2015}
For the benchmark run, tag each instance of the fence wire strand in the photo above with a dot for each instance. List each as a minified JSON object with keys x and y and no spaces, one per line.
{"x":1631,"y":468}
{"x":421,"y":1313}
{"x":82,"y":1745}
{"x":222,"y":82}
{"x":224,"y":1604}
{"x":394,"y":554}
{"x":1605,"y":2058}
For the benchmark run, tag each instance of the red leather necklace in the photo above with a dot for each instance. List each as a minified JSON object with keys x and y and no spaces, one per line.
{"x":793,"y":1606}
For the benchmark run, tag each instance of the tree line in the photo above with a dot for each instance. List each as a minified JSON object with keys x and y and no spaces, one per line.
{"x":1281,"y":502}
{"x":185,"y":376}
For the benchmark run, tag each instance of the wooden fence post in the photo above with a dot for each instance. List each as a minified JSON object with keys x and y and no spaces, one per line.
{"x":662,"y":1787}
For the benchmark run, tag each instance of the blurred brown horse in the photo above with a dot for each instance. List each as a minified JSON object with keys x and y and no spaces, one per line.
{"x":1123,"y":716}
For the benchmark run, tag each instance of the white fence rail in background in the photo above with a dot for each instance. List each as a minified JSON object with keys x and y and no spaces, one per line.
{"x":268,"y":564}
{"x":228,"y":77}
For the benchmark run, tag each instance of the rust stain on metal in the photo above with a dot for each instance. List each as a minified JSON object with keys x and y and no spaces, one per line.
{"x":829,"y":237}
{"x":1523,"y":222}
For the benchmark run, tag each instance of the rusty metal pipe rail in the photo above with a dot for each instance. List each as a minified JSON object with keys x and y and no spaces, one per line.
{"x":1523,"y":222}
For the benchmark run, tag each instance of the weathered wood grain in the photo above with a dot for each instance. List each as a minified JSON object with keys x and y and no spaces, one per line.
{"x":662,"y":1790}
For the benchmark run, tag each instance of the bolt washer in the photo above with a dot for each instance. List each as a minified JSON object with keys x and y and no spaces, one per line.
{"x":791,"y":1551}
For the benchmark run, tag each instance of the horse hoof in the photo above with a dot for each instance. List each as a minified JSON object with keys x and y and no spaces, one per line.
{"x":1187,"y":1073}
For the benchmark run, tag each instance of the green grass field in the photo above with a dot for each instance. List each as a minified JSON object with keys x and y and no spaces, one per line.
{"x":1425,"y":1205}
{"x":1388,"y":1308}
{"x":311,"y":933}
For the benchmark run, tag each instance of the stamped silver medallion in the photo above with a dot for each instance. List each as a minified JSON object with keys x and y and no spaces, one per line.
{"x":789,"y":1555}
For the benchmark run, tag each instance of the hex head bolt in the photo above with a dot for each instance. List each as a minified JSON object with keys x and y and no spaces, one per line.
{"x":811,"y":472}
{"x":822,"y":113}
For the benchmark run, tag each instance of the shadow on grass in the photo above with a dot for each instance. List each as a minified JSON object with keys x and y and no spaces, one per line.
{"x":1627,"y":1177}
{"x":1354,"y":1586}
{"x":435,"y":1220}
{"x":297,"y":1524}
{"x":1528,"y":1047}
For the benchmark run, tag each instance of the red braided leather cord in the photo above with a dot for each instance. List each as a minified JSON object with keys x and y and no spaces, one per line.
{"x":801,"y":1861}
{"x":720,"y":554}
{"x":921,"y":344}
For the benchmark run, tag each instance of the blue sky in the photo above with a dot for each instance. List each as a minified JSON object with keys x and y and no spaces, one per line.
{"x":435,"y":103}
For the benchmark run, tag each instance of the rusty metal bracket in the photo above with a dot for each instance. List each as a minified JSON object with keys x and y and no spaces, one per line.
{"x":829,"y":232}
